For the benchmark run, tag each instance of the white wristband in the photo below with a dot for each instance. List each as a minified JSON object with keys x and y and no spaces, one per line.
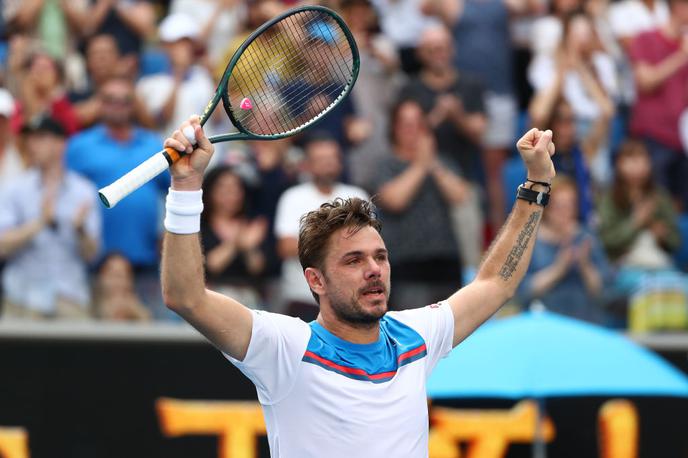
{"x":183,"y":211}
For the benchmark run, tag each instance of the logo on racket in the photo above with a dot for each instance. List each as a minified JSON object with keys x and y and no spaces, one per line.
{"x":246,"y":104}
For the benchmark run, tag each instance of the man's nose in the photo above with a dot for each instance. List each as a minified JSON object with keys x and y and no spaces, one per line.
{"x":373,"y":269}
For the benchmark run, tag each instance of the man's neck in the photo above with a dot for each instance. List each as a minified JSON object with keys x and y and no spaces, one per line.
{"x":438,"y":78}
{"x":324,"y":187}
{"x":354,"y":333}
{"x":120,"y":133}
{"x":52,"y":173}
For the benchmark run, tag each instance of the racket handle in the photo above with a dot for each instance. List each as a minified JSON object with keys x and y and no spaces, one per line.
{"x":133,"y":180}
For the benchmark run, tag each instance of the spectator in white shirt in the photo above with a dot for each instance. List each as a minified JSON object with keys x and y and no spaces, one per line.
{"x":49,"y":231}
{"x":580,"y":53}
{"x":186,"y":88}
{"x":324,"y":165}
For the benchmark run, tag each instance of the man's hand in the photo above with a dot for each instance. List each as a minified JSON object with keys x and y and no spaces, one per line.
{"x":252,"y":234}
{"x":447,"y":107}
{"x":644,"y":211}
{"x":187,"y":172}
{"x":536,"y":149}
{"x":426,"y":150}
{"x":79,"y":220}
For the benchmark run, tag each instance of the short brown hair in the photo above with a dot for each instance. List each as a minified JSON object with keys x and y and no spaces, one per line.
{"x":317,"y":226}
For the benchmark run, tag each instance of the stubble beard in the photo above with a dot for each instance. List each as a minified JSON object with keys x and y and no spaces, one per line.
{"x":351,"y":311}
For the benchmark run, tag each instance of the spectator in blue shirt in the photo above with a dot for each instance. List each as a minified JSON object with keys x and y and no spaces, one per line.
{"x":107,"y":151}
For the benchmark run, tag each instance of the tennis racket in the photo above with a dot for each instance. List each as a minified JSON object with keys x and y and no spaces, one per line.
{"x":286,"y":76}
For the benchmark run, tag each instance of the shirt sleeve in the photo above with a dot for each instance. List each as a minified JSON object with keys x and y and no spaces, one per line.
{"x":9,"y":218}
{"x":541,"y":72}
{"x":278,"y":343}
{"x":286,"y":223}
{"x":387,"y":169}
{"x":154,"y":92}
{"x":435,"y":324}
{"x":622,"y":21}
{"x":94,"y":221}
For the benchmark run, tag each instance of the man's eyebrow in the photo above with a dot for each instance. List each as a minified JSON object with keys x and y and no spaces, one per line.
{"x":352,"y":253}
{"x":360,"y":253}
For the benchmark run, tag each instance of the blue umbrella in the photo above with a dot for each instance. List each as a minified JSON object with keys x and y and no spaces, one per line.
{"x":541,"y":354}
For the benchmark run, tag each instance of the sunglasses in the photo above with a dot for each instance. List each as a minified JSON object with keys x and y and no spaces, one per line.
{"x":118,"y":100}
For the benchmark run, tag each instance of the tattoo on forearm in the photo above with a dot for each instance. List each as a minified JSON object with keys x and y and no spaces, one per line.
{"x":517,"y":250}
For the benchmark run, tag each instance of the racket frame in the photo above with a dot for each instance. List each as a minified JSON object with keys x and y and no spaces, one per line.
{"x":116,"y":191}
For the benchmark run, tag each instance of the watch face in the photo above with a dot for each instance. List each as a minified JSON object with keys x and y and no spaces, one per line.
{"x":539,"y":198}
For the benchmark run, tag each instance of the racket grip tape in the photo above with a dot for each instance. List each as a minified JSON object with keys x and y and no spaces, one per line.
{"x":110,"y":195}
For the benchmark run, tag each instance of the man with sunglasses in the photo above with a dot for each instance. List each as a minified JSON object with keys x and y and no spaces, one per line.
{"x":107,"y":151}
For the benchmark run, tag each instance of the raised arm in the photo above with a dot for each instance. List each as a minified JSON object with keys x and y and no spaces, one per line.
{"x":507,"y":259}
{"x":398,"y":193}
{"x":650,"y":76}
{"x":222,"y":320}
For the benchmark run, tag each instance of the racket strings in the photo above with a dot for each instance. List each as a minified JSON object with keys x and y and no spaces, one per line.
{"x":296,"y":51}
{"x":289,"y":94}
{"x":292,"y":73}
{"x":291,"y":98}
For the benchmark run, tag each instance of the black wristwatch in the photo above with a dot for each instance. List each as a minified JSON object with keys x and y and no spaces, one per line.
{"x":533,"y":197}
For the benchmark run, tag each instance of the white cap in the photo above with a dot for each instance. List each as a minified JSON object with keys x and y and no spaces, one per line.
{"x":6,"y":103}
{"x":178,"y":26}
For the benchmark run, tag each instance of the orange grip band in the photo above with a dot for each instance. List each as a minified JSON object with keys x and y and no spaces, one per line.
{"x":173,"y":154}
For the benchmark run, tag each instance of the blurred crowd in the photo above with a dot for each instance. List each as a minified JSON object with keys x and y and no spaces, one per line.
{"x":90,"y":88}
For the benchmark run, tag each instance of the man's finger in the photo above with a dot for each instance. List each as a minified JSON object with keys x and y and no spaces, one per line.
{"x":202,"y":140}
{"x":551,"y":148}
{"x":181,"y":137}
{"x":530,"y":138}
{"x":175,"y":144}
{"x":545,"y":140}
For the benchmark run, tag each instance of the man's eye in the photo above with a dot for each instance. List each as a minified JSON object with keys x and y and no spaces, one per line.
{"x":353,"y":261}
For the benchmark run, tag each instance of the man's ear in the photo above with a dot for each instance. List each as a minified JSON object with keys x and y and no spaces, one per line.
{"x":315,"y":279}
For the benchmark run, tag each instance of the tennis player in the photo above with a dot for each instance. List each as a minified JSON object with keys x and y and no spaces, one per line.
{"x":352,"y":382}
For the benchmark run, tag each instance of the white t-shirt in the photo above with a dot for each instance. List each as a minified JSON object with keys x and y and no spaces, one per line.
{"x":293,"y":204}
{"x":546,"y":35}
{"x":227,"y":24}
{"x":628,"y":18}
{"x":11,"y":165}
{"x":402,"y":21}
{"x":192,"y":97}
{"x":542,"y":74}
{"x":324,"y":396}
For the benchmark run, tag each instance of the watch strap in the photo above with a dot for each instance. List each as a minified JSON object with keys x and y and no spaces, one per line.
{"x":533,"y":197}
